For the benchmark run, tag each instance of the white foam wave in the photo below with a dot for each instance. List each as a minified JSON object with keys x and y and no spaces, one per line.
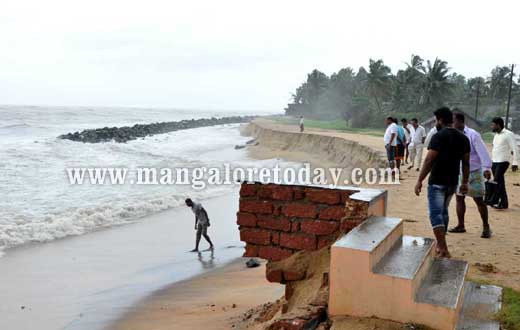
{"x":79,"y":221}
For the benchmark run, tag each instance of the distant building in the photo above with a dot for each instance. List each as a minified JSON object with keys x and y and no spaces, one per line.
{"x":470,"y":122}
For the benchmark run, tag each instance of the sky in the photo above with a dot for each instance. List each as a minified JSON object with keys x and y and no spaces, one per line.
{"x":233,"y":55}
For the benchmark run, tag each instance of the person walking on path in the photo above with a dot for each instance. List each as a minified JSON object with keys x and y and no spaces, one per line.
{"x":201,"y":224}
{"x":416,"y":145}
{"x":447,"y":149}
{"x":479,"y":168}
{"x":504,"y":146}
{"x":301,"y":124}
{"x":390,"y":140}
{"x":408,"y":132}
{"x":401,"y":145}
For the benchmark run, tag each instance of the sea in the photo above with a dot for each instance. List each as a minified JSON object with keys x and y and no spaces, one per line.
{"x":79,"y":257}
{"x":38,"y":203}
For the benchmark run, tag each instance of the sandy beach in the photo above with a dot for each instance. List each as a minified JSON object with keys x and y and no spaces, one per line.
{"x":87,"y":281}
{"x":189,"y":304}
{"x":215,"y":300}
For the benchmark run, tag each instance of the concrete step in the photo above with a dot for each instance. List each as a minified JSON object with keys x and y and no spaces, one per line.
{"x":444,"y":284}
{"x":481,"y":303}
{"x":406,"y":257}
{"x":374,"y":236}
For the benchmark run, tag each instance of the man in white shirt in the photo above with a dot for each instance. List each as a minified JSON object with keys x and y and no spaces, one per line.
{"x":504,"y":146}
{"x":416,"y":145}
{"x":301,"y":124}
{"x":431,"y":133}
{"x":390,"y":140}
{"x":408,"y":133}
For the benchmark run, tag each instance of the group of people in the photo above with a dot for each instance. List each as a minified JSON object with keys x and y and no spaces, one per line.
{"x":404,"y":143}
{"x":458,"y":163}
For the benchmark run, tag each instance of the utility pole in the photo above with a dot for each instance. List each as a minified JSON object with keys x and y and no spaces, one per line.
{"x":509,"y":95}
{"x":478,"y":95}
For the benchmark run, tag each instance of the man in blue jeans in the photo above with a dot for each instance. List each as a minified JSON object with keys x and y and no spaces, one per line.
{"x":448,"y":148}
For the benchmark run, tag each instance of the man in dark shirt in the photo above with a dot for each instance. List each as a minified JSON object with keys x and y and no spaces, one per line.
{"x":448,"y":148}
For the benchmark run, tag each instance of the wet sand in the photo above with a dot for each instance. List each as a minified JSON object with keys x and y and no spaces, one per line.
{"x":215,"y":300}
{"x":86,"y":282}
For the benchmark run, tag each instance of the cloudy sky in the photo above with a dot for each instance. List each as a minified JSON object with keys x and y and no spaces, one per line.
{"x":230,"y":54}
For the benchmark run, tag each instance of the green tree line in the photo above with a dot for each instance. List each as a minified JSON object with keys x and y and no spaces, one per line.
{"x":364,"y":97}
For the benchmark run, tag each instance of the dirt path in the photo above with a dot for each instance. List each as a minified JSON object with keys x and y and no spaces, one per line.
{"x":496,"y":260}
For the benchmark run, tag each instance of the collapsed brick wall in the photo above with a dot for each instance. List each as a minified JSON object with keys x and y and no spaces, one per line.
{"x":277,"y":221}
{"x":291,"y":227}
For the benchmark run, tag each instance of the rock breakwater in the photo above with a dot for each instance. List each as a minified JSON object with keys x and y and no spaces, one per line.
{"x":128,"y":133}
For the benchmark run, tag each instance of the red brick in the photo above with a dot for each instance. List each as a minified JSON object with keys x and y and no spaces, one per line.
{"x":255,"y":236}
{"x":251,"y":251}
{"x":246,"y":219}
{"x":265,"y":192}
{"x":293,"y":275}
{"x":275,"y":238}
{"x":247,"y":190}
{"x":254,"y":206}
{"x":319,"y":227}
{"x":276,"y":223}
{"x":298,"y":193}
{"x":277,"y":209}
{"x":326,"y":241}
{"x":283,"y":193}
{"x":295,"y":226}
{"x":298,"y":241}
{"x":325,"y":196}
{"x":345,"y":195}
{"x":333,"y":213}
{"x":299,"y":210}
{"x":274,"y":276}
{"x":348,"y":225}
{"x":273,"y":253}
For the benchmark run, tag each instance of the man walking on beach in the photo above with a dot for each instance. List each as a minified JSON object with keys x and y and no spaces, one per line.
{"x":416,"y":145}
{"x":504,"y":145}
{"x":390,"y":140}
{"x":447,"y":149}
{"x":301,"y":124}
{"x":201,"y":223}
{"x":479,"y":167}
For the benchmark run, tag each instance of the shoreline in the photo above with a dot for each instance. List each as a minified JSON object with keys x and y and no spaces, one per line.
{"x":87,"y":281}
{"x":496,"y":260}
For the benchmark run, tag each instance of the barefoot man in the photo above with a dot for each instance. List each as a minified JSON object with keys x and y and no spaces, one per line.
{"x":201,"y":223}
{"x":446,"y":151}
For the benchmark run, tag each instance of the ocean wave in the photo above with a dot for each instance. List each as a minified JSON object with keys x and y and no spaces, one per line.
{"x":78,"y":221}
{"x":12,"y":126}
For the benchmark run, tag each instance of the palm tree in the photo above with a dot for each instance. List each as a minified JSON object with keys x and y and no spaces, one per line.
{"x":437,"y":86}
{"x":408,"y":85}
{"x":317,"y":83}
{"x":499,"y":82}
{"x":416,"y":64}
{"x":379,"y":81}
